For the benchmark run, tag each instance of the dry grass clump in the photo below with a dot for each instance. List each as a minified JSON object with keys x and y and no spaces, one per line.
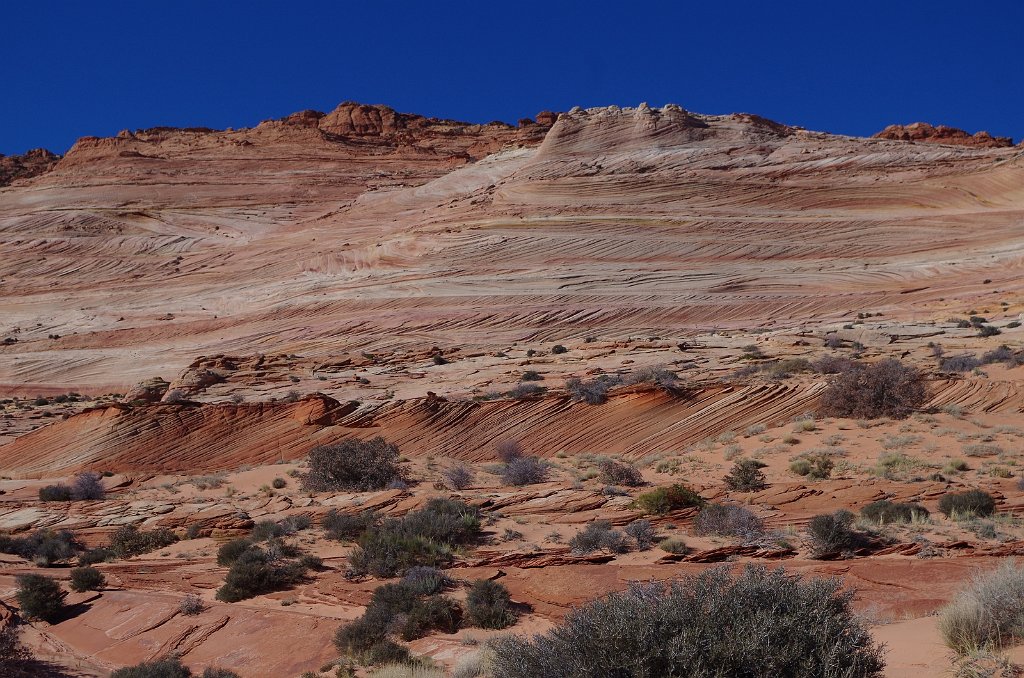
{"x":988,"y":614}
{"x":355,"y":465}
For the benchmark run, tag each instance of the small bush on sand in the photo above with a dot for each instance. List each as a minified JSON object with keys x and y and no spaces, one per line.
{"x":831,"y":534}
{"x":617,"y":473}
{"x":39,"y":597}
{"x":642,"y":532}
{"x":87,"y":486}
{"x":353,"y":465}
{"x":457,"y":476}
{"x":884,"y":389}
{"x":884,"y":511}
{"x":279,"y":483}
{"x":43,"y":547}
{"x":58,"y":492}
{"x":87,"y":579}
{"x":256,"y":572}
{"x":746,"y":476}
{"x":524,"y":471}
{"x":592,"y":392}
{"x":759,"y":623}
{"x":969,"y":504}
{"x":191,"y":605}
{"x":231,"y":551}
{"x":489,"y":606}
{"x":598,"y":535}
{"x":988,"y":614}
{"x":426,"y":581}
{"x":130,"y":541}
{"x":728,"y":520}
{"x":348,"y":526}
{"x":664,"y":500}
{"x":424,"y":537}
{"x":509,"y":450}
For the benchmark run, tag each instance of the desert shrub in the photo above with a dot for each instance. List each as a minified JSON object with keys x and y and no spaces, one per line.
{"x":211,"y":672}
{"x":130,"y":541}
{"x":617,"y":473}
{"x":489,"y":606}
{"x":657,"y":375}
{"x":982,"y":450}
{"x":509,"y":450}
{"x":831,"y":533}
{"x":988,"y":331}
{"x":884,"y":511}
{"x":969,"y":504}
{"x":87,"y":486}
{"x":884,"y":389}
{"x":520,"y":391}
{"x":1003,"y":354}
{"x":988,"y":614}
{"x":87,"y":579}
{"x":424,"y":580}
{"x":43,"y":547}
{"x":15,"y":658}
{"x":354,"y":465}
{"x":255,"y":572}
{"x":168,"y":667}
{"x":58,"y":492}
{"x":231,"y":551}
{"x":728,"y":520}
{"x":663,"y":500}
{"x":279,"y":483}
{"x":266,"y":529}
{"x":674,"y":546}
{"x":532,"y":375}
{"x":959,"y":363}
{"x":781,"y":369}
{"x":524,"y":471}
{"x":746,"y":476}
{"x":39,"y":597}
{"x":558,"y":348}
{"x":457,"y":477}
{"x":814,"y":466}
{"x":708,"y":625}
{"x":191,"y":605}
{"x":396,"y":608}
{"x":642,"y":532}
{"x":833,"y":365}
{"x":95,"y":555}
{"x":348,"y":526}
{"x":592,"y":392}
{"x":598,"y":535}
{"x":424,"y":537}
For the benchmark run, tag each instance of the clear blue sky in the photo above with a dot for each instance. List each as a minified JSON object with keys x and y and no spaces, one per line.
{"x":73,"y":68}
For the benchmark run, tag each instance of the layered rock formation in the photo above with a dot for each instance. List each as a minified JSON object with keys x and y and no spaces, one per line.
{"x":941,"y":134}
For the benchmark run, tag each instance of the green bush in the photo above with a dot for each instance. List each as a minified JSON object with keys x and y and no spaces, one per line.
{"x":884,"y":511}
{"x":353,"y":465}
{"x":969,"y":504}
{"x":709,"y":625}
{"x":664,"y":500}
{"x":489,"y":606}
{"x":39,"y":597}
{"x":255,"y":572}
{"x":130,"y":541}
{"x":231,"y":551}
{"x":424,"y":537}
{"x":43,"y":547}
{"x":87,"y":579}
{"x":746,"y":476}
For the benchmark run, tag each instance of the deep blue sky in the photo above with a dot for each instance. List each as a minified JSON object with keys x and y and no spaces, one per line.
{"x":76,"y":68}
